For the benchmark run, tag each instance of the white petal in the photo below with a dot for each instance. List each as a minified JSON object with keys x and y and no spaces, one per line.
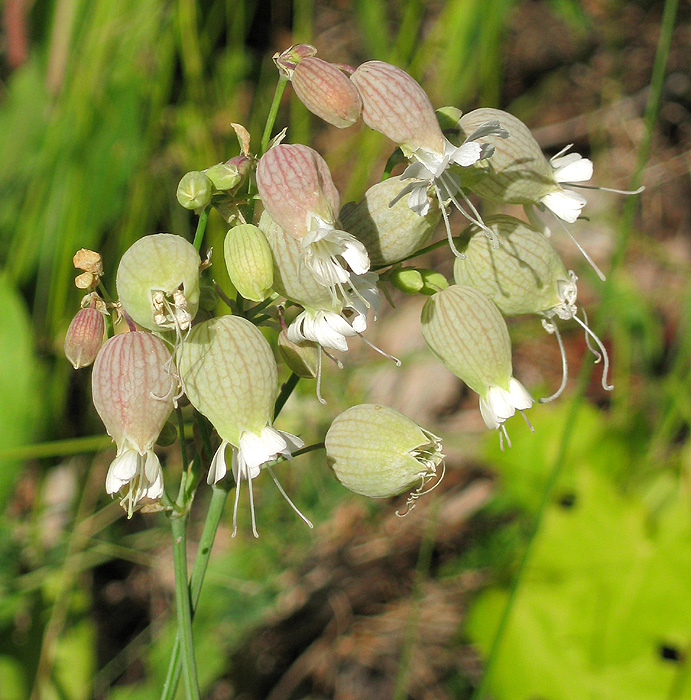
{"x":218,"y":468}
{"x":488,"y":415}
{"x":467,"y":154}
{"x":520,"y":398}
{"x":564,"y":204}
{"x":418,"y":201}
{"x":572,"y":168}
{"x":122,"y":469}
{"x":255,"y":450}
{"x":356,"y":256}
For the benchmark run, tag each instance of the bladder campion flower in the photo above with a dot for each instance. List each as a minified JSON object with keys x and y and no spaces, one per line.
{"x":378,"y":452}
{"x":158,"y":282}
{"x":85,"y":336}
{"x":133,"y":393}
{"x":296,"y":189}
{"x":394,"y":104}
{"x":525,"y":275}
{"x":229,"y":374}
{"x":466,"y":331}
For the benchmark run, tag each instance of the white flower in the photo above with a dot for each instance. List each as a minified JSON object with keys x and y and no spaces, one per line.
{"x":140,"y":472}
{"x":254,"y":451}
{"x":498,"y":405}
{"x":325,"y":247}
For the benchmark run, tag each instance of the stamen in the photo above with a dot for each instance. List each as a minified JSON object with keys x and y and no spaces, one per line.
{"x":333,"y":359}
{"x":254,"y":522}
{"x":561,"y":153}
{"x":598,"y":356}
{"x":551,"y":327}
{"x":605,"y":189}
{"x":503,"y":435}
{"x":425,"y":477}
{"x":527,"y":420}
{"x":442,"y":206}
{"x":396,"y":361}
{"x":605,"y":369}
{"x":598,"y":272}
{"x":448,"y":182}
{"x":319,"y":378}
{"x":237,"y":500}
{"x":285,"y":495}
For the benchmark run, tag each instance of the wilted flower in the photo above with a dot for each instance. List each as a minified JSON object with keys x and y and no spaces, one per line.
{"x":158,"y":282}
{"x":229,"y":374}
{"x":378,"y":452}
{"x":92,"y":265}
{"x":523,"y":274}
{"x":466,"y":331}
{"x":84,"y":337}
{"x":389,"y":232}
{"x":322,"y":87}
{"x":133,"y":394}
{"x":519,"y":173}
{"x":394,"y":104}
{"x":296,"y":189}
{"x":249,"y":262}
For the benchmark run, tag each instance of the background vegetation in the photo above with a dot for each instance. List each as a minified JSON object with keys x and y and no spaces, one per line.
{"x":556,"y":570}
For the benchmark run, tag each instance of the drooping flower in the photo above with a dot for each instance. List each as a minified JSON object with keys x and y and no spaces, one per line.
{"x":158,"y":282}
{"x":394,"y":104}
{"x":84,"y":337}
{"x":296,"y":189}
{"x":321,"y":86}
{"x":519,"y":173}
{"x":466,"y":331}
{"x":523,"y":274}
{"x":133,"y":394}
{"x":229,"y":374}
{"x":378,"y":452}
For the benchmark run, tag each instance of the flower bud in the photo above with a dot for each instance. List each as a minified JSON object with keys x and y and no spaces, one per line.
{"x":326,"y":92}
{"x":133,"y":394}
{"x":521,"y":274}
{"x":223,"y":176}
{"x":465,"y":330}
{"x":84,"y":337}
{"x":195,"y":190}
{"x":378,"y":452}
{"x":394,"y":104}
{"x":389,"y":232}
{"x":302,"y":358}
{"x":248,"y":259}
{"x":288,"y":60}
{"x":229,"y":375}
{"x":158,"y":282}
{"x":407,"y":279}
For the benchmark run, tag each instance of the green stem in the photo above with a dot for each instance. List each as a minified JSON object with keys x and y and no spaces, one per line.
{"x":201,"y":227}
{"x":213,"y":518}
{"x":273,"y":113}
{"x":286,"y":391}
{"x":183,"y":606}
{"x":185,"y":464}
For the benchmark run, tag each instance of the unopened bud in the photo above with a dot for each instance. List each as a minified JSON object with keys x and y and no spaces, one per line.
{"x":84,"y":337}
{"x":223,"y":176}
{"x":327,"y":92}
{"x":302,"y":358}
{"x":249,"y":261}
{"x":389,"y":232}
{"x":195,"y":190}
{"x":287,"y":60}
{"x":378,"y":452}
{"x":407,"y":279}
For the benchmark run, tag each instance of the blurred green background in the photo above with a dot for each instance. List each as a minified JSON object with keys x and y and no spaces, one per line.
{"x":558,"y":569}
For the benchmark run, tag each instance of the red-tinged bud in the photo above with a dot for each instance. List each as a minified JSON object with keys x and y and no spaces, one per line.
{"x":84,"y":337}
{"x":394,"y":104}
{"x":327,"y":92}
{"x":242,"y":163}
{"x":287,"y":60}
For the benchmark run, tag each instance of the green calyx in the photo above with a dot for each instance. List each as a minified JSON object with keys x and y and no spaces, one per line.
{"x":158,"y":282}
{"x":389,"y":233}
{"x":411,"y":280}
{"x":466,"y":331}
{"x":194,"y":190}
{"x":522,"y":275}
{"x":249,"y":261}
{"x":378,"y":452}
{"x":302,"y":358}
{"x":229,"y":374}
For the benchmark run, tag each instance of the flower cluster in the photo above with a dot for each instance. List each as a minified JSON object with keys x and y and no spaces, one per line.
{"x":309,"y":272}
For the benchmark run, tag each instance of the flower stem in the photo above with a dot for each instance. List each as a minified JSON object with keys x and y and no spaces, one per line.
{"x":273,"y":112}
{"x":201,"y":227}
{"x":213,"y":518}
{"x":183,"y":605}
{"x":286,"y":391}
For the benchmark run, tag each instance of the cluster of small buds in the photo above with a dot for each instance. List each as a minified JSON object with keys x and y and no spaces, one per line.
{"x":315,"y":270}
